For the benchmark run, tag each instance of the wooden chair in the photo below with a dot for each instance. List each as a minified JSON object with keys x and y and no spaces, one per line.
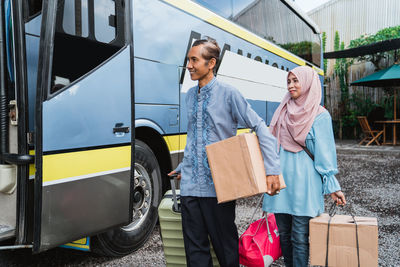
{"x":370,"y":135}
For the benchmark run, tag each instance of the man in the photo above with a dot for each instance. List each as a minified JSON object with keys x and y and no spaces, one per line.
{"x":214,"y":111}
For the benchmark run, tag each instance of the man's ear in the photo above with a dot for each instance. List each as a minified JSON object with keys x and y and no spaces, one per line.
{"x":211,"y":63}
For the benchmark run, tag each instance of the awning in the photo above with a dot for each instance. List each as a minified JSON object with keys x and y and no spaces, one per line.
{"x":389,"y":77}
{"x":383,"y":46}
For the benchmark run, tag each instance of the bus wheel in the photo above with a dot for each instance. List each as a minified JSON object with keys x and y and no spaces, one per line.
{"x":147,"y":195}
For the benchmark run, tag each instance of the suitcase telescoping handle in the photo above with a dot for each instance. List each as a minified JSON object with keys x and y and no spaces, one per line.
{"x":174,"y":198}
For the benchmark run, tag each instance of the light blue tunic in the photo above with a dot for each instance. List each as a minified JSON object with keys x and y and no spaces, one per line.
{"x":303,"y":195}
{"x":215,"y":115}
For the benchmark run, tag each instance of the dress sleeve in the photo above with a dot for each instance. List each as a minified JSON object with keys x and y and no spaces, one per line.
{"x":245,"y":115}
{"x":325,"y":153}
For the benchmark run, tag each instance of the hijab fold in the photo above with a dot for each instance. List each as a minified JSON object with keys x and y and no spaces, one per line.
{"x":293,"y":118}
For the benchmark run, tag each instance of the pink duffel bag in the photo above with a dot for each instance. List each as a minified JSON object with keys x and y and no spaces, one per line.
{"x":259,"y":245}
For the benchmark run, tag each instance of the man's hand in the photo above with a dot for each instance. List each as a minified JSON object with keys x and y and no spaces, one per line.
{"x":339,"y":198}
{"x":178,"y":175}
{"x":273,"y":185}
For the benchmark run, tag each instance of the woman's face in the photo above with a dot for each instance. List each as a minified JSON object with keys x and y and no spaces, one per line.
{"x":294,"y":86}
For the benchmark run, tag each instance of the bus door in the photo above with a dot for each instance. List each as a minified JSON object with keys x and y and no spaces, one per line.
{"x":84,"y":127}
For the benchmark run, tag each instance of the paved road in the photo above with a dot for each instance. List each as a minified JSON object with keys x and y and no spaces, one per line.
{"x":369,"y":178}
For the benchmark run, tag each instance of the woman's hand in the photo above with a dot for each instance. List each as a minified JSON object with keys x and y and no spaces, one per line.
{"x":273,"y":184}
{"x":339,"y":198}
{"x":178,"y":175}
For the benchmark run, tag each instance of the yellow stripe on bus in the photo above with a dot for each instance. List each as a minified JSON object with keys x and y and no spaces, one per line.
{"x":225,"y":24}
{"x":32,"y":168}
{"x":72,"y":164}
{"x":178,"y":142}
{"x":172,"y":142}
{"x":175,"y":143}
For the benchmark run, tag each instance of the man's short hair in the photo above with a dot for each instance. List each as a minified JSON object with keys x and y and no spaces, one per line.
{"x":210,"y":48}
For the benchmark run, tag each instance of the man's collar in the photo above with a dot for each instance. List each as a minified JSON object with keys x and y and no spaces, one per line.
{"x":208,"y":86}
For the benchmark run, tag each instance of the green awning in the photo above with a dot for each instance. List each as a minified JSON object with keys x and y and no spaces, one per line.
{"x":389,"y":77}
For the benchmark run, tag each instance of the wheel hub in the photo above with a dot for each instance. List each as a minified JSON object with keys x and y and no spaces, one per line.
{"x":142,"y":197}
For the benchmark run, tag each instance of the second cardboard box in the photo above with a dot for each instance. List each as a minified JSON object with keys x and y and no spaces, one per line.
{"x":237,"y":167}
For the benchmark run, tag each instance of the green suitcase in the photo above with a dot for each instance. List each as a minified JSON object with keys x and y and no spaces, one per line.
{"x":171,"y":229}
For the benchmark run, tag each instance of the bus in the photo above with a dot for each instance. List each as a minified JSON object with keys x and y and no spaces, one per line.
{"x":91,"y":112}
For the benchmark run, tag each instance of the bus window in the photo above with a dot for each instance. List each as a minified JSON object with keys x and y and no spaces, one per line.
{"x":104,"y":24}
{"x":274,"y":21}
{"x":221,"y":7}
{"x":85,"y":37}
{"x":75,"y":20}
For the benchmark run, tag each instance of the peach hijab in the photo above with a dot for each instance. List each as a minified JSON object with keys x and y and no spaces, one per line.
{"x":293,"y":118}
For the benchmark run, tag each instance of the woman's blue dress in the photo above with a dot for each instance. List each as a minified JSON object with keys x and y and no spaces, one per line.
{"x":304,"y":194}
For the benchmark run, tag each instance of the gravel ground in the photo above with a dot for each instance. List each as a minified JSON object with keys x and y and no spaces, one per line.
{"x":370,"y":180}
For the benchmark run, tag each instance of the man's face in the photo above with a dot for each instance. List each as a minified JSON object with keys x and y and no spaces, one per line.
{"x":198,"y":67}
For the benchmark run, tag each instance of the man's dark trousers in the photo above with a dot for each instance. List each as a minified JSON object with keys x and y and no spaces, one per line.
{"x":203,"y":217}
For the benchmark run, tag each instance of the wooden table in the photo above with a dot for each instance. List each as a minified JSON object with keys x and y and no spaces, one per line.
{"x":394,"y":123}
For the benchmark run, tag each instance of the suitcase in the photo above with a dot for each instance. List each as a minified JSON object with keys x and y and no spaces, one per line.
{"x":171,"y":229}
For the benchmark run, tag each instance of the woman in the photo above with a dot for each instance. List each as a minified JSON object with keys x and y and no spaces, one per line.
{"x":301,"y":121}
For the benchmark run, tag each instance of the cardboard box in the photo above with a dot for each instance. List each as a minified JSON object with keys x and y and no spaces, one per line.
{"x":342,"y":241}
{"x":237,"y":167}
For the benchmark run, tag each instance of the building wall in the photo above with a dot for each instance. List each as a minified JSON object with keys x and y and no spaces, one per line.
{"x":353,"y":18}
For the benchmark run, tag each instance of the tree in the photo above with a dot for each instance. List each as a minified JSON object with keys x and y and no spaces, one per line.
{"x":323,"y":50}
{"x":382,"y":35}
{"x":347,"y":116}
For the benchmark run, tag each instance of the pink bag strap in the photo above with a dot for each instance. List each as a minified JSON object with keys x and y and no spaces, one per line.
{"x":258,"y":228}
{"x":256,"y":208}
{"x":264,"y":216}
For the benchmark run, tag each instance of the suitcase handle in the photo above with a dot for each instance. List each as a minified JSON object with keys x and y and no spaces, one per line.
{"x":176,"y":207}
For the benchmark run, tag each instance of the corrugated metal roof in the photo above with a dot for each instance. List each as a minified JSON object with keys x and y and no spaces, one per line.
{"x":353,"y":18}
{"x":322,"y":6}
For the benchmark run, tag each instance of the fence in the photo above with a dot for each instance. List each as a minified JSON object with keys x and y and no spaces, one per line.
{"x":365,"y":94}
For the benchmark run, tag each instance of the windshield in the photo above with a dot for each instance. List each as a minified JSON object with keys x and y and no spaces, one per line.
{"x":274,"y":21}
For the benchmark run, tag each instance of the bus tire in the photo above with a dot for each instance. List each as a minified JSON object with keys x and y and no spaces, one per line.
{"x":124,"y":240}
